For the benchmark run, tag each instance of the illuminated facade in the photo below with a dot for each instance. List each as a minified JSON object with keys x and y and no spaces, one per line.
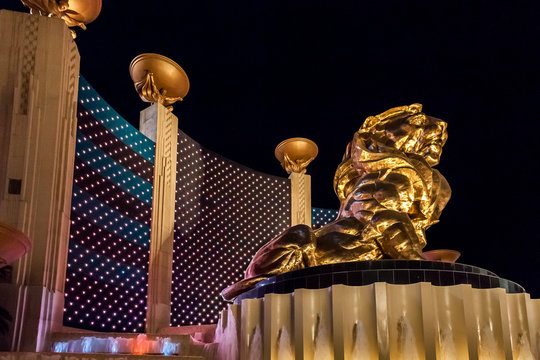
{"x":224,"y":213}
{"x":107,"y":271}
{"x":320,"y":217}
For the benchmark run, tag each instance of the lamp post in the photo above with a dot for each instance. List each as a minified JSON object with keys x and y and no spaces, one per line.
{"x":295,"y":154}
{"x":162,"y":82}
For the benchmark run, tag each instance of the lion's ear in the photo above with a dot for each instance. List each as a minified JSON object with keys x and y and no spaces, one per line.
{"x":415,"y":108}
{"x":370,"y":122}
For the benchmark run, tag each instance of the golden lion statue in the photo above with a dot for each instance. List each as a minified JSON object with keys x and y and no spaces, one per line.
{"x":389,"y":195}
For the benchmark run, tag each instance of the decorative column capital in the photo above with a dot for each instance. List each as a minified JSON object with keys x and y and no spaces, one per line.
{"x":158,"y":79}
{"x":73,"y":12}
{"x":295,"y":154}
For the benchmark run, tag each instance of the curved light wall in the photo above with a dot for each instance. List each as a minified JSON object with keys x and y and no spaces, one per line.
{"x":106,"y":277}
{"x":224,"y":213}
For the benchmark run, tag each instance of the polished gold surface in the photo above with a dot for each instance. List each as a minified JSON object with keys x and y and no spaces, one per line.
{"x":158,"y":79}
{"x":73,"y":12}
{"x":389,"y":195}
{"x":443,"y":255}
{"x":295,"y":154}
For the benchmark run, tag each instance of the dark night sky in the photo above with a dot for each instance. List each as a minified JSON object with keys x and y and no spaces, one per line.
{"x":261,"y":72}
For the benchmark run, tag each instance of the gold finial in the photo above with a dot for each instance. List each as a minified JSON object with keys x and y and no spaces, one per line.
{"x":295,"y":154}
{"x":73,"y":12}
{"x":158,"y":79}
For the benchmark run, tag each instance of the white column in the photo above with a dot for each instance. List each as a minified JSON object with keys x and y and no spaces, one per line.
{"x":354,"y":322}
{"x":158,"y":313}
{"x":278,"y":336}
{"x":251,"y":323}
{"x":313,"y":332}
{"x":39,"y":75}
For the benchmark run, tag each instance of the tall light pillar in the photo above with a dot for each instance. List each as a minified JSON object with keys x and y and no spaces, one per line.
{"x":161,"y":81}
{"x":162,"y":228}
{"x":39,"y":75}
{"x":295,"y":154}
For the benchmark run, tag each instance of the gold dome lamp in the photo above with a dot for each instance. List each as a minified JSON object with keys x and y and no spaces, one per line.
{"x":158,"y":79}
{"x":295,"y":154}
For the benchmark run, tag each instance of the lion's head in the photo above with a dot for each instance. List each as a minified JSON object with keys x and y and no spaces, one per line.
{"x":404,"y":128}
{"x":408,"y":129}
